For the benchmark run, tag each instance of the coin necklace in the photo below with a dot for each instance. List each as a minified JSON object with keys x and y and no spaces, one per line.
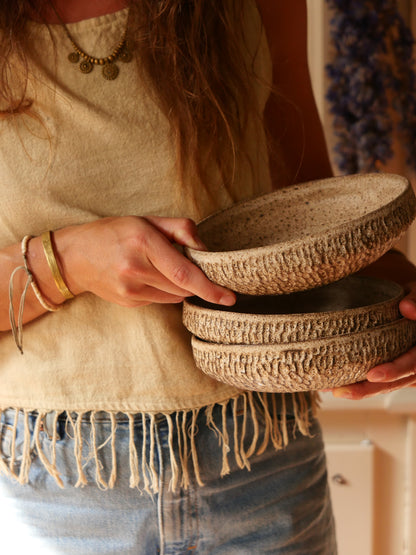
{"x":110,"y":69}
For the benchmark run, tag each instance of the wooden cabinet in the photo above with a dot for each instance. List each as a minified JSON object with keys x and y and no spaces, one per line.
{"x":351,"y":479}
{"x":371,"y":453}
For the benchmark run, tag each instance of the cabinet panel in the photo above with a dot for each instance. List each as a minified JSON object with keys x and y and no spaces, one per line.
{"x":351,"y":480}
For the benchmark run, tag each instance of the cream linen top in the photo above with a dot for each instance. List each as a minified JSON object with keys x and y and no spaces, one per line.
{"x":101,"y":148}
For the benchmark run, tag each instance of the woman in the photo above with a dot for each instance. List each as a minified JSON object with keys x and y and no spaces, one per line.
{"x":163,"y":123}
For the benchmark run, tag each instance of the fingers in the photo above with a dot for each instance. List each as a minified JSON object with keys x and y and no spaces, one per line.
{"x":145,"y":276}
{"x":182,"y":273}
{"x":149,"y":295}
{"x":389,"y":376}
{"x":402,"y":367}
{"x":132,"y":261}
{"x":408,"y":304}
{"x":383,"y":378}
{"x":365,"y":389}
{"x":180,"y":230}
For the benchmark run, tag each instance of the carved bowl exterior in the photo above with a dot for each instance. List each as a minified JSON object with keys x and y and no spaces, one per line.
{"x":304,"y":366}
{"x":305,"y":236}
{"x":354,"y":304}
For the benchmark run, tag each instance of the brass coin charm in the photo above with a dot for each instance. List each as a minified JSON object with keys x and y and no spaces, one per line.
{"x":110,"y":71}
{"x":85,"y":66}
{"x":86,"y":62}
{"x":73,"y":57}
{"x":125,"y":56}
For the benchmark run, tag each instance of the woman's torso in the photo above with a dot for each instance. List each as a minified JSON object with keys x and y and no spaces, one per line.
{"x":93,"y":148}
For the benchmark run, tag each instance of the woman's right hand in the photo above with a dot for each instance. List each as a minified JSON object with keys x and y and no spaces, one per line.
{"x":132,"y":261}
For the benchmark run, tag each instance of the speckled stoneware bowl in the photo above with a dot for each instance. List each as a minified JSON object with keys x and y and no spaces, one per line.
{"x":353,"y":304}
{"x":305,"y":366}
{"x":306,"y":235}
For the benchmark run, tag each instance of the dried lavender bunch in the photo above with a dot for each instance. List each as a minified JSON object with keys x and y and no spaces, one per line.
{"x":372,"y":83}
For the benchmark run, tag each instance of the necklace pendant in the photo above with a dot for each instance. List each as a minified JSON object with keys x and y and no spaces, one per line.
{"x":86,"y":66}
{"x":73,"y":57}
{"x":110,"y":71}
{"x":125,"y":56}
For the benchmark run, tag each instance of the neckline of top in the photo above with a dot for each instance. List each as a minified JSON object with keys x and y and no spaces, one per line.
{"x":84,"y":24}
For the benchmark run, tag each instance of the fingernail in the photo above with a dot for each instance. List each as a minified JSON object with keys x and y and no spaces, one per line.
{"x":196,"y":243}
{"x":342,"y":392}
{"x":227,"y":299}
{"x":376,"y":376}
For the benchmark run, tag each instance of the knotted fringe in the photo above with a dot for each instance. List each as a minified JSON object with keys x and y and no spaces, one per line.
{"x":174,"y":465}
{"x":182,"y":433}
{"x":49,"y":465}
{"x":133,"y":456}
{"x":78,"y":443}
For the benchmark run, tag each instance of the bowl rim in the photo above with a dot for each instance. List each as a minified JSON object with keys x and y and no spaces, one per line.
{"x":328,"y":234}
{"x":224,"y":313}
{"x":299,"y":345}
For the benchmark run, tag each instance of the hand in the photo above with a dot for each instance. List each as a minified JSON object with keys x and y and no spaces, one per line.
{"x":389,"y":376}
{"x":131,"y":261}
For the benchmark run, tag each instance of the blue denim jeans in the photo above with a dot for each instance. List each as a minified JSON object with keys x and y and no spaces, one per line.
{"x":281,"y":506}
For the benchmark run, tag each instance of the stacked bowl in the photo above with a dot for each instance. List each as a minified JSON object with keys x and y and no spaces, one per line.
{"x":302,"y":322}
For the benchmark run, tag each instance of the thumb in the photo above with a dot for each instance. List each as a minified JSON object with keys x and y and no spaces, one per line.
{"x":407,"y":305}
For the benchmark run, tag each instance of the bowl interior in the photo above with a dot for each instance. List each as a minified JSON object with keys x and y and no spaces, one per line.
{"x":350,"y":293}
{"x":299,"y":211}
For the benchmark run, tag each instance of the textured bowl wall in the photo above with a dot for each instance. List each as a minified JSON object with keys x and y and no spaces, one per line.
{"x":305,"y":236}
{"x":351,"y":305}
{"x":305,"y":366}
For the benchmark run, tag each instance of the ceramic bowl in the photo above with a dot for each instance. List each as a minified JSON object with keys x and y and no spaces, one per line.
{"x":304,"y":366}
{"x":353,"y":304}
{"x":305,"y":236}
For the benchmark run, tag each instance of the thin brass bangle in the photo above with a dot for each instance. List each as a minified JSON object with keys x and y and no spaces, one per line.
{"x":42,"y":301}
{"x":53,"y":265}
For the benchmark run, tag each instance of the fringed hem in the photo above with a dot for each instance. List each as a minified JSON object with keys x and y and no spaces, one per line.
{"x":182,"y":430}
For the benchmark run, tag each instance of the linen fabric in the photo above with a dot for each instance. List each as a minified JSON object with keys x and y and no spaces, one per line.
{"x":97,"y":148}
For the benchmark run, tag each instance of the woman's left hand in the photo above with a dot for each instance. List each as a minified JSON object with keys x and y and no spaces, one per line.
{"x":389,"y":376}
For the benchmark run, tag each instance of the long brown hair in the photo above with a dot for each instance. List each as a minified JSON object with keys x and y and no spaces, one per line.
{"x":192,"y":51}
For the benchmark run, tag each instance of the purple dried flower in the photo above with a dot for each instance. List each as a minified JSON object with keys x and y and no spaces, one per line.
{"x":371,"y":75}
